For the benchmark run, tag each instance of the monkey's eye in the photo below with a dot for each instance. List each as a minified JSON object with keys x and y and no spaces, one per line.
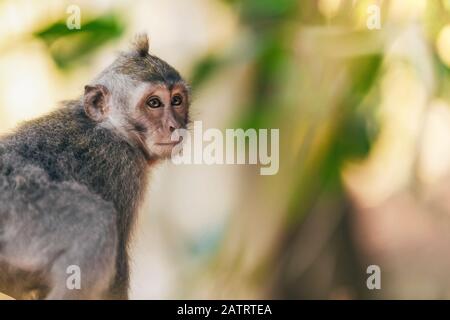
{"x":176,"y":100}
{"x":154,"y":102}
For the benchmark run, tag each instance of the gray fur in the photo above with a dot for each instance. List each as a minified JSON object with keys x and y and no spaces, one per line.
{"x":69,"y":192}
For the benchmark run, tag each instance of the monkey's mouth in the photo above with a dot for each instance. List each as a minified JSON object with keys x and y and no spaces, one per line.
{"x":171,"y":143}
{"x":167,"y":143}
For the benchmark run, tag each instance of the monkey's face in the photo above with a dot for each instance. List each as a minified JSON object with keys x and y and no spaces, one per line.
{"x":162,"y":109}
{"x":149,"y":120}
{"x":143,"y":98}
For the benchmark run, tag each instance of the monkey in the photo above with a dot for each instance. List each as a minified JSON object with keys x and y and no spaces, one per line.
{"x":72,"y":181}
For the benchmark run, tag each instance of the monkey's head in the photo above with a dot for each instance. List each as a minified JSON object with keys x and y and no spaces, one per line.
{"x":141,"y":97}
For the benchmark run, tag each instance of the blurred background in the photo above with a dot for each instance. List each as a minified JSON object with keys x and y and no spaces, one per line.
{"x":364,"y":119}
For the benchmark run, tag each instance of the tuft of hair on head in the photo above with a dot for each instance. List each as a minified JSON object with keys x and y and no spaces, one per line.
{"x":140,"y":44}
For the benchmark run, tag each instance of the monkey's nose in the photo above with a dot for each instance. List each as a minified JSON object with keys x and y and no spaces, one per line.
{"x":172,"y":129}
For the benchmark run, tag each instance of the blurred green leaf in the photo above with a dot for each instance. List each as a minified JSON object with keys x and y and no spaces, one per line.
{"x":68,"y":47}
{"x":204,"y":69}
{"x":257,"y":12}
{"x":352,"y":138}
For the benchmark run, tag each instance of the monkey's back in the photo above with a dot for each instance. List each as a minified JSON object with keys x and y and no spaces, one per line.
{"x":33,"y":206}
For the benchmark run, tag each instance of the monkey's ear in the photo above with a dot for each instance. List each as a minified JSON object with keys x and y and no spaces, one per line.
{"x":95,"y":102}
{"x":140,"y":44}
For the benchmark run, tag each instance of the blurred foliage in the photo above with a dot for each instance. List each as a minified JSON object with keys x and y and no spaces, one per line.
{"x":273,"y":60}
{"x":262,"y":13}
{"x":347,"y":121}
{"x":203,"y":70}
{"x":69,"y":47}
{"x":351,"y":138}
{"x":317,"y":79}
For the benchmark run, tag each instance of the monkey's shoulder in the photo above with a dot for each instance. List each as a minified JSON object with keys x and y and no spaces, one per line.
{"x":27,"y":188}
